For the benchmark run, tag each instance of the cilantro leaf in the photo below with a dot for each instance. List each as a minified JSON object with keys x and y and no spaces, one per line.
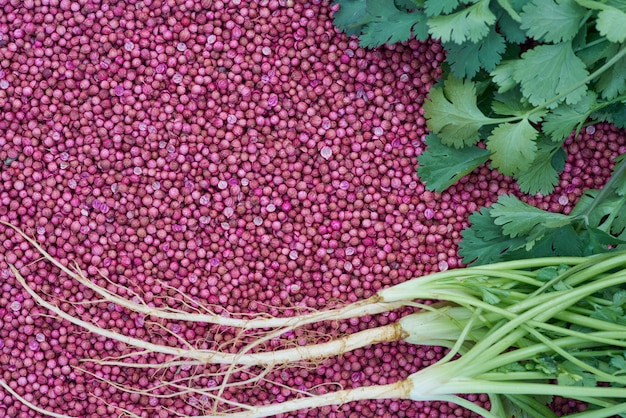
{"x":561,"y":241}
{"x":549,"y":21}
{"x":594,"y":213}
{"x":542,"y":175}
{"x":511,"y":29}
{"x":619,"y":363}
{"x":612,"y":82}
{"x":483,"y":242}
{"x":597,"y":241}
{"x":470,"y":23}
{"x":547,"y":71}
{"x":614,"y":113}
{"x":618,"y":176}
{"x":562,"y":120}
{"x":503,"y":75}
{"x":351,"y":16}
{"x":513,"y":103}
{"x":438,"y":7}
{"x":441,"y":166}
{"x":618,"y":227}
{"x":611,"y":20}
{"x":601,"y":50}
{"x":468,"y":58}
{"x":611,"y":23}
{"x":574,"y":375}
{"x":452,"y":113}
{"x":521,"y":219}
{"x":513,"y":147}
{"x":388,"y":25}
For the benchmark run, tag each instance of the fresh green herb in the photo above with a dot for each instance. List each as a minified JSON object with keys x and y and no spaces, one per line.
{"x":523,"y":75}
{"x":512,"y":229}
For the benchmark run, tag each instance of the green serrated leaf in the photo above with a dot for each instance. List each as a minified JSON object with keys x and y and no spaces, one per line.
{"x":351,"y":16}
{"x":483,"y":242}
{"x":441,"y":166}
{"x":542,"y":176}
{"x":439,"y":7}
{"x":512,"y":103}
{"x":559,"y":159}
{"x":618,"y":176}
{"x":564,"y":119}
{"x":547,"y":71}
{"x":594,"y":213}
{"x":511,"y":29}
{"x":561,"y":241}
{"x":503,"y":74}
{"x":511,"y":9}
{"x":618,"y":226}
{"x":574,"y":375}
{"x":597,"y":241}
{"x":619,"y":363}
{"x":451,"y":112}
{"x":552,"y":21}
{"x":471,"y":23}
{"x":468,"y":58}
{"x":513,"y":147}
{"x":388,"y":24}
{"x":521,"y":219}
{"x":612,"y":82}
{"x":614,"y":113}
{"x":599,"y":51}
{"x":611,"y":23}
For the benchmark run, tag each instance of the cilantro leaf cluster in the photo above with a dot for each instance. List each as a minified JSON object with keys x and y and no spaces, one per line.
{"x":522,"y":75}
{"x":511,"y":229}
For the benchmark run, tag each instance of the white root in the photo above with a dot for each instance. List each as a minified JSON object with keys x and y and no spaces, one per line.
{"x":336,"y":347}
{"x":371,"y":306}
{"x":398,"y":390}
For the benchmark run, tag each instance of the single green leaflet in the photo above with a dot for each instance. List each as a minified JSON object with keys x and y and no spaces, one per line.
{"x":551,"y":21}
{"x":444,"y":165}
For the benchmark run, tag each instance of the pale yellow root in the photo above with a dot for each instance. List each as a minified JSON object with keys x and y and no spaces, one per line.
{"x":399,"y":390}
{"x":370,"y":306}
{"x":337,"y":347}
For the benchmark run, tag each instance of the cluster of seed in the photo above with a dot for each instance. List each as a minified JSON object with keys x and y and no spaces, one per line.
{"x":243,"y":153}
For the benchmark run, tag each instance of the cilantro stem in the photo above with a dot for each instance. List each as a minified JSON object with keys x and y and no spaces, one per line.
{"x":592,"y":44}
{"x":608,"y":411}
{"x":518,"y":388}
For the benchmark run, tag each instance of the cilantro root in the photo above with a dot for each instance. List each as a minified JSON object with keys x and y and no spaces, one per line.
{"x":520,"y":331}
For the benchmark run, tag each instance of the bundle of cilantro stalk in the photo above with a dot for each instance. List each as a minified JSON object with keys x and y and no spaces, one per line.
{"x":520,"y":76}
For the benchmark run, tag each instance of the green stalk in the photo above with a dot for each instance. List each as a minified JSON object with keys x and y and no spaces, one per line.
{"x":603,"y":376}
{"x":609,"y":408}
{"x":594,"y":266}
{"x":464,"y":385}
{"x":506,"y":336}
{"x":525,"y":353}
